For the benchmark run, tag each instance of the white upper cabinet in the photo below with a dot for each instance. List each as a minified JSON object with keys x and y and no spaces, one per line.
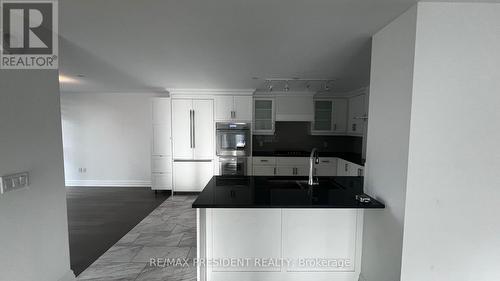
{"x":243,"y":108}
{"x":192,"y":129}
{"x":339,"y":116}
{"x":233,"y":108}
{"x":264,"y":116}
{"x":294,"y":108}
{"x":224,"y":108}
{"x":356,"y":116}
{"x":330,"y":117}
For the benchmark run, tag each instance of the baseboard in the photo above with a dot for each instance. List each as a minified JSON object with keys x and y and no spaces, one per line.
{"x":69,"y":276}
{"x":111,"y":183}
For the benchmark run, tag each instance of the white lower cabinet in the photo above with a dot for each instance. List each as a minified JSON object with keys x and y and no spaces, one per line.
{"x":320,"y":234}
{"x":161,"y":181}
{"x":315,"y":244}
{"x":292,"y":166}
{"x":262,"y":170}
{"x":246,"y":233}
{"x":346,"y":168}
{"x":192,"y":176}
{"x":326,"y":167}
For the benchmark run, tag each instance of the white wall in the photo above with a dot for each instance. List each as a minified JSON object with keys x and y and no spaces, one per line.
{"x":109,"y":135}
{"x":33,"y":222}
{"x":452,"y":224}
{"x":387,"y":147}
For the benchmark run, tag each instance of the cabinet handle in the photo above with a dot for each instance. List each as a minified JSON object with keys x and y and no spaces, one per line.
{"x":335,"y":127}
{"x":294,"y":171}
{"x":264,"y":160}
{"x":315,"y":171}
{"x":346,"y":167}
{"x":325,"y":161}
{"x":360,"y":172}
{"x":354,"y":127}
{"x":274,"y":170}
{"x":191,"y":128}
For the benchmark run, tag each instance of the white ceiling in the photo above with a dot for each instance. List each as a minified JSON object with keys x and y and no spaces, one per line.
{"x":125,"y":45}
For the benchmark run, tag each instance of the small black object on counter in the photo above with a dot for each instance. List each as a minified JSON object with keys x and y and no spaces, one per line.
{"x":284,"y":192}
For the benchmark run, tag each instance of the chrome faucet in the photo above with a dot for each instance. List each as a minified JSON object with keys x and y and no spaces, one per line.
{"x":313,"y":159}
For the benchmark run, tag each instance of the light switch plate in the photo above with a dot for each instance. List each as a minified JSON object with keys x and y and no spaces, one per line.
{"x":13,"y":182}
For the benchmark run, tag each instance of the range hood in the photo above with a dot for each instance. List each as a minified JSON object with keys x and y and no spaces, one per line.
{"x":294,"y":108}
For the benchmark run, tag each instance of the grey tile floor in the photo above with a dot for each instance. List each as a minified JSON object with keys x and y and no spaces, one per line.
{"x":168,"y":232}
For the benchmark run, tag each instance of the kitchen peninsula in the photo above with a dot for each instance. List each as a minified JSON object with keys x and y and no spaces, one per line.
{"x":285,"y":228}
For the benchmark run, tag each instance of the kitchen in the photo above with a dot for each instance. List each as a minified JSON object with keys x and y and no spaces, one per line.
{"x":202,"y":140}
{"x":244,"y":150}
{"x":318,"y":140}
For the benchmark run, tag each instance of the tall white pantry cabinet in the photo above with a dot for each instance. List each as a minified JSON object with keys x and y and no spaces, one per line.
{"x":161,"y":144}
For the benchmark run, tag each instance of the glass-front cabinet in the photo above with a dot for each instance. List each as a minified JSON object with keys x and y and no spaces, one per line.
{"x":264,"y":116}
{"x":330,"y":116}
{"x":323,"y":115}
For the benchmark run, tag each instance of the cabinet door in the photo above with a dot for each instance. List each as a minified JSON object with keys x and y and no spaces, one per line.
{"x":161,"y":164}
{"x":342,"y":168}
{"x":327,"y":167}
{"x":302,"y":171}
{"x":243,"y":108}
{"x":161,"y":120}
{"x":192,"y":176}
{"x":161,"y":140}
{"x":355,"y":170}
{"x":259,"y":170}
{"x":285,"y":171}
{"x":223,"y":108}
{"x":204,"y":132}
{"x":161,"y":111}
{"x":356,"y":112}
{"x":161,"y":181}
{"x":323,"y":114}
{"x":331,"y":234}
{"x":246,"y":233}
{"x":339,"y":115}
{"x":181,"y":129}
{"x":264,"y":116}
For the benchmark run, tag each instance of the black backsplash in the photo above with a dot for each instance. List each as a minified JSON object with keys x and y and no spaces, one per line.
{"x":295,"y":136}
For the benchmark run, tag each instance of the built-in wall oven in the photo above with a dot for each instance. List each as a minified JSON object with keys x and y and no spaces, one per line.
{"x":233,"y":147}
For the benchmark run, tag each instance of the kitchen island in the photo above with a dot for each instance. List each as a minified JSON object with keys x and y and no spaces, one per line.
{"x":280,"y":228}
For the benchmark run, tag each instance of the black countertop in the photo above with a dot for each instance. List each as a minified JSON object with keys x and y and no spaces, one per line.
{"x":351,"y":157}
{"x":283,"y":192}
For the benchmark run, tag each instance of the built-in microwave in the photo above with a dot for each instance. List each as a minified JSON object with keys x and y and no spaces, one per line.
{"x":233,"y":139}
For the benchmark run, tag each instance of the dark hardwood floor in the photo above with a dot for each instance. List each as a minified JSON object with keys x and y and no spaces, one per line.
{"x":99,"y":216}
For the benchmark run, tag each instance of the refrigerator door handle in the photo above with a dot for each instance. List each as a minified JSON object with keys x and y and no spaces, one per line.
{"x":194,"y":130}
{"x":191,"y":128}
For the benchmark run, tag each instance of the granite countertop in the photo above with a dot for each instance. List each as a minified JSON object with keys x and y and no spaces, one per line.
{"x":351,"y":157}
{"x":282,"y":192}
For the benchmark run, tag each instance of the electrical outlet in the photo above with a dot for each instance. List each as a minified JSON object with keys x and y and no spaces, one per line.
{"x":14,"y":181}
